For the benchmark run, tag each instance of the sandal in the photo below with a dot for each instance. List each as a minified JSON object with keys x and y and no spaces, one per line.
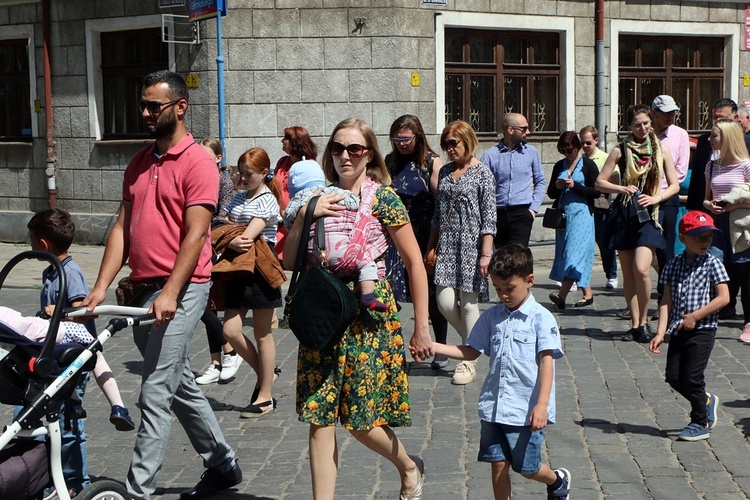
{"x":259,"y":409}
{"x":584,"y":302}
{"x":559,"y":303}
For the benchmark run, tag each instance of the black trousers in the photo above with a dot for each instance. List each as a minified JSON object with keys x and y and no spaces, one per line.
{"x":687,"y":358}
{"x":514,"y":225}
{"x":668,"y":219}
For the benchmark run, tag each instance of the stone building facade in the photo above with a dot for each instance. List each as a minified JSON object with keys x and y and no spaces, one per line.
{"x":315,"y":62}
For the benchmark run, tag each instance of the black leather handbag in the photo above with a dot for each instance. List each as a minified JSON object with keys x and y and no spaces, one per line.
{"x":554,"y":218}
{"x":319,"y":306}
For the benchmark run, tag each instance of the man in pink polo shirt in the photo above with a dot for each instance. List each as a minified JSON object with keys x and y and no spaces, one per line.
{"x":169,"y":193}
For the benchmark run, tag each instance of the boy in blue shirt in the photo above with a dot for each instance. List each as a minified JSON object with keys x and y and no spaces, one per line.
{"x":695,"y":289}
{"x":517,"y":400}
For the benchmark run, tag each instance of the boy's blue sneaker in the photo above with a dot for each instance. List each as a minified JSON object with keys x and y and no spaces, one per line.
{"x":564,"y":489}
{"x":712,"y":407}
{"x":693,"y":432}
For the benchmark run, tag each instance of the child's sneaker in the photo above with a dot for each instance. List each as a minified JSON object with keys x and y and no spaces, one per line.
{"x":712,"y":407}
{"x":209,"y":376}
{"x":230,"y":363}
{"x":121,"y":419}
{"x":564,"y":489}
{"x":693,"y":432}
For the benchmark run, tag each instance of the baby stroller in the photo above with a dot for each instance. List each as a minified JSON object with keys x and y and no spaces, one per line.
{"x":40,"y":377}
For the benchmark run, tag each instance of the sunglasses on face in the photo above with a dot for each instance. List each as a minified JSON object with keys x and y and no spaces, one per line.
{"x":588,"y":143}
{"x":522,"y":129}
{"x":155,"y":107}
{"x":452,"y":144}
{"x":566,"y":151}
{"x":354,"y":150}
{"x":402,"y":140}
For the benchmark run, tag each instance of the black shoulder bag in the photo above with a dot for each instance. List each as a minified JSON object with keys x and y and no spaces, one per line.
{"x":319,"y":306}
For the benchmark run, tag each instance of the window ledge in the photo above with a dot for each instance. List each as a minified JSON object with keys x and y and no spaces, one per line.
{"x":123,"y":142}
{"x":16,"y":143}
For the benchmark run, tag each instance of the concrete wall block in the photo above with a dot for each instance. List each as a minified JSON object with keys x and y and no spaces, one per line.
{"x":475,"y":5}
{"x":277,"y":86}
{"x":71,"y":32}
{"x":59,"y":61}
{"x":723,"y":13}
{"x":507,"y":6}
{"x":206,"y":91}
{"x":415,"y":23}
{"x":79,"y":122}
{"x":9,"y":186}
{"x":19,"y":157}
{"x":236,"y":25}
{"x":106,"y":158}
{"x":239,"y":87}
{"x":276,"y":23}
{"x":299,"y":4}
{"x":110,"y":8}
{"x":69,"y":91}
{"x":575,"y":8}
{"x":585,"y":62}
{"x":204,"y":121}
{"x":299,"y":53}
{"x":76,"y":153}
{"x":348,"y":53}
{"x":77,"y":206}
{"x":235,"y":146}
{"x":689,"y":12}
{"x":111,"y":185}
{"x":77,"y":60}
{"x":311,"y":116}
{"x":4,"y":15}
{"x":110,"y":209}
{"x":336,"y":112}
{"x":379,"y":85}
{"x":80,"y":9}
{"x":426,"y":59}
{"x":399,"y":52}
{"x":61,"y":122}
{"x":541,"y":8}
{"x":258,"y":120}
{"x":325,"y":86}
{"x":3,"y":207}
{"x":24,"y":14}
{"x":141,"y":8}
{"x":88,"y":184}
{"x":324,"y":23}
{"x":635,"y":9}
{"x":251,"y":54}
{"x":22,"y":205}
{"x":65,"y":184}
{"x":252,"y":4}
{"x":384,"y":114}
{"x":24,"y":183}
{"x":585,"y":32}
{"x":378,"y":22}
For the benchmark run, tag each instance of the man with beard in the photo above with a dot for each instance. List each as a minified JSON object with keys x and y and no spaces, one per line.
{"x":169,"y":194}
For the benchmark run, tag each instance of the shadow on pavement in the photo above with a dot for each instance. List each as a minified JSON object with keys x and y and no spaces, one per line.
{"x":621,"y":427}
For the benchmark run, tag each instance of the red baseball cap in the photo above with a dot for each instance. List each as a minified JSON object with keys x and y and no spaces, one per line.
{"x":695,"y":222}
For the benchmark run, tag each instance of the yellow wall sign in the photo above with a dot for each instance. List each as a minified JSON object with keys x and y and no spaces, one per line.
{"x":746,"y":80}
{"x":415,"y":79}
{"x":192,"y":81}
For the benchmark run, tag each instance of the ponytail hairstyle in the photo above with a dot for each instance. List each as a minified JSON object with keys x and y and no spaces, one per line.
{"x":258,"y":160}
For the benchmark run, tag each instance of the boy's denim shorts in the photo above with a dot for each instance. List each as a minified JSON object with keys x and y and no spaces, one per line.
{"x":517,"y":445}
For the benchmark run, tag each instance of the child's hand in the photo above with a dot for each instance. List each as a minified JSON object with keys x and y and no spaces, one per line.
{"x":688,"y":322}
{"x":655,"y":343}
{"x":538,"y":418}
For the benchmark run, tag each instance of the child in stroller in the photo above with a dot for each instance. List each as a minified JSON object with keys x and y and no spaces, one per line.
{"x":70,"y":332}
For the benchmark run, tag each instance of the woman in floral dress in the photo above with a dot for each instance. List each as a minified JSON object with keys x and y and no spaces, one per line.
{"x":362,"y":381}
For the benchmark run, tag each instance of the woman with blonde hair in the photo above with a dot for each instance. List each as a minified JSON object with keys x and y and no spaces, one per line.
{"x":633,"y":228}
{"x":362,"y":381}
{"x":463,"y":229}
{"x":729,"y":168}
{"x":257,"y":208}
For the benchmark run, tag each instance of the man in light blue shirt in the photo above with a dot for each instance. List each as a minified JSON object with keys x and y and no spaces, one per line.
{"x":519,"y":181}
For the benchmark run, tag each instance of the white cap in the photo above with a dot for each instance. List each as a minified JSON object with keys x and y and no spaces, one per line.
{"x":665,"y":104}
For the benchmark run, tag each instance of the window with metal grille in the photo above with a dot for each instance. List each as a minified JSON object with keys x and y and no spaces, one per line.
{"x":127,"y":57}
{"x":691,"y":70}
{"x":491,"y":73}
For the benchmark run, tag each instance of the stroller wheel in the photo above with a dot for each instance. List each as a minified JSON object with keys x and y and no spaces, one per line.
{"x":104,"y":490}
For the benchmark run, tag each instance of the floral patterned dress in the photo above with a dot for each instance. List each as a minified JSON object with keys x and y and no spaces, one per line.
{"x":362,"y":380}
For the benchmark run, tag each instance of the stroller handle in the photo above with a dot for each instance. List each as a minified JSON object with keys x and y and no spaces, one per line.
{"x":73,"y":312}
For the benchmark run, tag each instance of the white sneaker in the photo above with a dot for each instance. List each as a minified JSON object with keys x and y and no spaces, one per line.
{"x":574,"y":288}
{"x":210,"y":376}
{"x":229,"y":366}
{"x":465,"y":373}
{"x":612,"y":283}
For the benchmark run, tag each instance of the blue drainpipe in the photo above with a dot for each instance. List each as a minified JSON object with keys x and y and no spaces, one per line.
{"x":220,"y":84}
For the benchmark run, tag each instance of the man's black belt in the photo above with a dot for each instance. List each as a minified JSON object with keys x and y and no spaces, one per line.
{"x":507,"y":208}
